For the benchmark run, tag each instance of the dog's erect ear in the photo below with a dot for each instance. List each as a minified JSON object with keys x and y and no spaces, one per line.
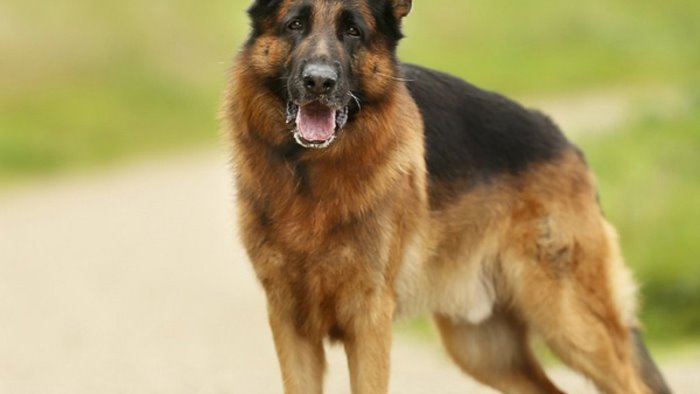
{"x":262,"y":8}
{"x":401,"y":8}
{"x":260,"y":12}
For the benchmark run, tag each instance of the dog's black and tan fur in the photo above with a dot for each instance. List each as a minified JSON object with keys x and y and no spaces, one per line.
{"x":431,"y":195}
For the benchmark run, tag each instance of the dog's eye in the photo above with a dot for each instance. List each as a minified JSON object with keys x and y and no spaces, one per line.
{"x":295,"y":25}
{"x":352,"y":31}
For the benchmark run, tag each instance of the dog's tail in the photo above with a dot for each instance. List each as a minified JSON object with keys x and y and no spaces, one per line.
{"x":646,"y":368}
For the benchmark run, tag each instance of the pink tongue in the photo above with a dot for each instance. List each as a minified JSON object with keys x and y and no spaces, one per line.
{"x":316,"y":122}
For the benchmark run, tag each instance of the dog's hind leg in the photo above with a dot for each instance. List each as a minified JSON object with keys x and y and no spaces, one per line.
{"x":570,"y":285}
{"x":588,"y":338}
{"x":302,"y":360}
{"x":496,"y":353}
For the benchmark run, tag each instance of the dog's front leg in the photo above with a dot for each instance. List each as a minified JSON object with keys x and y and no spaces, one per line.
{"x":302,"y":360}
{"x":368,"y":348}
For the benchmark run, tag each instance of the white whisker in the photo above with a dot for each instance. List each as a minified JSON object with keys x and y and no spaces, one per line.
{"x":395,"y":78}
{"x":357,"y":100}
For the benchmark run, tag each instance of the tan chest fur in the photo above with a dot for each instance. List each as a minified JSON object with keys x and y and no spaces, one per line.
{"x":326,"y":230}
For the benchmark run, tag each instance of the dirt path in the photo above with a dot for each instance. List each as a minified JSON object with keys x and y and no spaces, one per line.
{"x":133,"y":281}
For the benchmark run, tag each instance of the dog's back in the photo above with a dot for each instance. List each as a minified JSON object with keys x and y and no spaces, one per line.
{"x":472,"y":134}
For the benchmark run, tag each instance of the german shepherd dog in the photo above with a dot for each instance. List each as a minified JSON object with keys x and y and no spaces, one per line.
{"x":369,"y":189}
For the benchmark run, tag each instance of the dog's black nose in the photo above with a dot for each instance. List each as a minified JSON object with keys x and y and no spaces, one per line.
{"x":319,"y":79}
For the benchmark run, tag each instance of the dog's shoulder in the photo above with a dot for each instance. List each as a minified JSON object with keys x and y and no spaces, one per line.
{"x":475,"y":134}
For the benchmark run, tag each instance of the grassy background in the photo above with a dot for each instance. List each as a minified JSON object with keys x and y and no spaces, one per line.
{"x":85,"y":83}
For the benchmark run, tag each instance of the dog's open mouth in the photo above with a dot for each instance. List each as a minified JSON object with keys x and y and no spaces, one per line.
{"x":316,"y":125}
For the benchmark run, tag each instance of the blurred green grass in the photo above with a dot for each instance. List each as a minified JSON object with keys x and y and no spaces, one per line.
{"x":550,"y":46}
{"x":86,"y":83}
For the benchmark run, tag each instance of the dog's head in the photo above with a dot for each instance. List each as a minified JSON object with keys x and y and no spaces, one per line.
{"x":324,"y":59}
